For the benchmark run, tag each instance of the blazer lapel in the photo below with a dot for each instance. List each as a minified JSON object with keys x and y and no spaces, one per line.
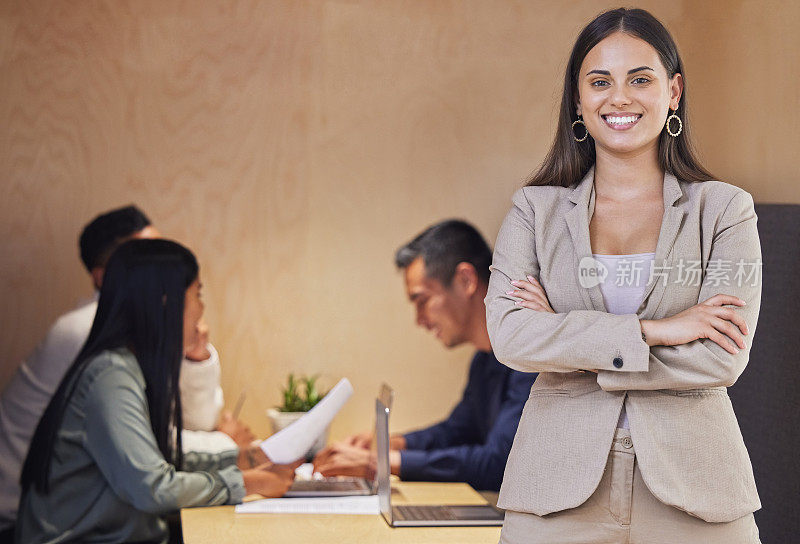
{"x":583,"y":196}
{"x":670,"y":225}
{"x":578,"y":223}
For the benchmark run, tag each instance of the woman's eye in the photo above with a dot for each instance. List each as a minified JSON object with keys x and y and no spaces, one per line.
{"x":641,"y":80}
{"x":599,"y":83}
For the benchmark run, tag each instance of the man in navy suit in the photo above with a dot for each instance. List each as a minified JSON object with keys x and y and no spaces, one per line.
{"x":446,"y":270}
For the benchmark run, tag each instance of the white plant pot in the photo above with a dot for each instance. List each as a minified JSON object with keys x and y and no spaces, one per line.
{"x":280,"y":420}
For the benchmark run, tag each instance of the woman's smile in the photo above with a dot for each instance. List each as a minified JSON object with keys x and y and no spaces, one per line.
{"x":621,"y":121}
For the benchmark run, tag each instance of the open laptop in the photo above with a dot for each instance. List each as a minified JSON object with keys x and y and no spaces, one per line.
{"x":336,"y":486}
{"x":340,"y":486}
{"x":411,"y":515}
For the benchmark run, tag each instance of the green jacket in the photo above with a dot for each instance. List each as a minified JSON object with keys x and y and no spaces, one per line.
{"x":109,"y":481}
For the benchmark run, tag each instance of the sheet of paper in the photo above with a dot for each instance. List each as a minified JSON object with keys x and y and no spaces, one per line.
{"x":317,"y":505}
{"x":292,"y":442}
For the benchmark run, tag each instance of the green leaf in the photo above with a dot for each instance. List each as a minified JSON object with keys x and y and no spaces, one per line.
{"x":294,"y":401}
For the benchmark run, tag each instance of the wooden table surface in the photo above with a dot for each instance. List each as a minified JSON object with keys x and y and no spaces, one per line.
{"x":215,"y":525}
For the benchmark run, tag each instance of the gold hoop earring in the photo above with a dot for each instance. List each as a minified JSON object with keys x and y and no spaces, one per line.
{"x":680,"y":125}
{"x":576,"y":122}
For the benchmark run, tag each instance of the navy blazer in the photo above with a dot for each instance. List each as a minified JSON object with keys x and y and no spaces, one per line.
{"x":472,"y":444}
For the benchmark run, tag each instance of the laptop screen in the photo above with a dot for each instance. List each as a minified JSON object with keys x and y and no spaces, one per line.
{"x":383,"y":469}
{"x":386,"y":395}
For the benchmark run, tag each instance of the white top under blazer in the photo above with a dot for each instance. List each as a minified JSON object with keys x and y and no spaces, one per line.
{"x":623,"y":289}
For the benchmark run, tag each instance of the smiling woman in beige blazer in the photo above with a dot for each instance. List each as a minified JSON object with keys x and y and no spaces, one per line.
{"x":628,"y":434}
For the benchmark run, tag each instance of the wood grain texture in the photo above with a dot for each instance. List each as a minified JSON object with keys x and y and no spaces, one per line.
{"x":221,"y":523}
{"x":746,"y":107}
{"x":295,"y":145}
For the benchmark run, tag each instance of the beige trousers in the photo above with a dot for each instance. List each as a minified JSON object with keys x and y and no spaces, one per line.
{"x":622,"y":510}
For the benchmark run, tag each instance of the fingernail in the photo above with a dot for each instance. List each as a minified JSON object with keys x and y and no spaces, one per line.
{"x":514,"y":282}
{"x":509,"y":292}
{"x":736,"y":350}
{"x":531,"y":279}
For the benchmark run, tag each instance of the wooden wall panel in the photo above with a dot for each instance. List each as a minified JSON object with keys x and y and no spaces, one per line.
{"x":745,"y":93}
{"x":295,"y":145}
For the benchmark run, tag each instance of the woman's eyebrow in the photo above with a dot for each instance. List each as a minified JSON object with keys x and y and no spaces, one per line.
{"x":631,"y":71}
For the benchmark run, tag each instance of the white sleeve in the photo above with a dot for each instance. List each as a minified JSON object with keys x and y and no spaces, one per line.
{"x":207,"y":442}
{"x":201,"y":394}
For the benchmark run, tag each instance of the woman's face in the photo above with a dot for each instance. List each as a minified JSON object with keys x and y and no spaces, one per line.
{"x":192,"y":313}
{"x":625,"y":95}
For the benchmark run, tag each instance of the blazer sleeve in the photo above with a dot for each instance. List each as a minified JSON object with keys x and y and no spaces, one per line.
{"x":704,"y":363}
{"x":531,"y":341}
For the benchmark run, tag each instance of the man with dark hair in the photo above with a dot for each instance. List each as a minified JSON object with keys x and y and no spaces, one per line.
{"x":446,"y":271}
{"x":28,"y":393}
{"x":106,"y":232}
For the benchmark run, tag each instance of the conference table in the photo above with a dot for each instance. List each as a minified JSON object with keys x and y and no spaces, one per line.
{"x":221,"y":524}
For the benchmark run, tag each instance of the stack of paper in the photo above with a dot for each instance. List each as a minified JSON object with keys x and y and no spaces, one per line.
{"x":318,"y":505}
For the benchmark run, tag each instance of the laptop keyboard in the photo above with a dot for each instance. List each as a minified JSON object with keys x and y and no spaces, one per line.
{"x":327,"y":485}
{"x":423,"y":513}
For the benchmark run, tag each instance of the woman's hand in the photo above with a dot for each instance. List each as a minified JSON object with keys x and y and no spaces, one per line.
{"x":269,"y":479}
{"x":238,"y":431}
{"x":532,"y":294}
{"x":705,"y":320}
{"x":251,"y":456}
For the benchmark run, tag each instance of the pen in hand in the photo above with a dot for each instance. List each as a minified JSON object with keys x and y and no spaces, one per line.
{"x":238,"y":408}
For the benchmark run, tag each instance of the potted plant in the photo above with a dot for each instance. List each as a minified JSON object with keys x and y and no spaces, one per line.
{"x":299,"y":396}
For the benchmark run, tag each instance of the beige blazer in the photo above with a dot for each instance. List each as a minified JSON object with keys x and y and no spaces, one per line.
{"x":688,"y":444}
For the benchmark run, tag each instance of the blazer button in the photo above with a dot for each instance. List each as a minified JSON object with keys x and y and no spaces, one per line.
{"x":618,"y":362}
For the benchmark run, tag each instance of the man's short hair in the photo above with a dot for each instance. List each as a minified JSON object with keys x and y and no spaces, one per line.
{"x":101,"y":237}
{"x":443,"y":246}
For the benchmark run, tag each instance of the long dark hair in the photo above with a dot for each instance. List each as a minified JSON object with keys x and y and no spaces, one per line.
{"x":141,"y":307}
{"x":568,"y":161}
